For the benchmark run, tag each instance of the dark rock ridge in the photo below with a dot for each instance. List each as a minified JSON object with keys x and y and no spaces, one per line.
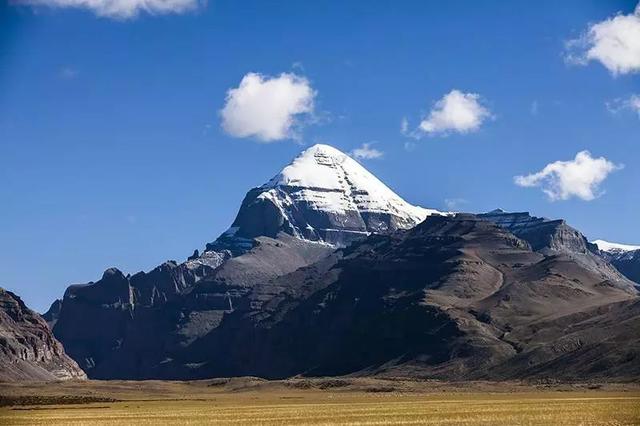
{"x":454,"y":298}
{"x":549,"y":236}
{"x":542,"y":233}
{"x":133,"y":326}
{"x":28,"y":350}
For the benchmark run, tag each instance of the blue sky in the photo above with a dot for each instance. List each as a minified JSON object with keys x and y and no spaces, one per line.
{"x":112,"y":151}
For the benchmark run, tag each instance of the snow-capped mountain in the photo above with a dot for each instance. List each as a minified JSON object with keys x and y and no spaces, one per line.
{"x":325,"y":196}
{"x":625,"y":257}
{"x":614,"y":247}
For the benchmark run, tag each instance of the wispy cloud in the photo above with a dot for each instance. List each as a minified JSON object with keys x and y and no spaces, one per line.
{"x":366,"y":152}
{"x":534,"y":108}
{"x":68,"y":73}
{"x":580,"y":177}
{"x":632,"y":103}
{"x":119,"y":9}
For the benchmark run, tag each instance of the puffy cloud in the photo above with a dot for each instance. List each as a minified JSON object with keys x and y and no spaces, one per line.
{"x":614,"y":42}
{"x":366,"y":152}
{"x":631,"y":104}
{"x":267,"y":108}
{"x":121,"y":9}
{"x":580,"y":177}
{"x":455,"y":112}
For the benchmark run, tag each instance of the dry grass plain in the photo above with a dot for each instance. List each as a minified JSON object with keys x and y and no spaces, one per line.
{"x":317,"y":401}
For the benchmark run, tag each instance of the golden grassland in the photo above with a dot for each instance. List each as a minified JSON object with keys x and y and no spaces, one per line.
{"x":317,"y":401}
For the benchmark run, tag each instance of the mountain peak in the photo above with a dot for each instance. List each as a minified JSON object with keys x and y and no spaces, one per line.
{"x":322,"y":195}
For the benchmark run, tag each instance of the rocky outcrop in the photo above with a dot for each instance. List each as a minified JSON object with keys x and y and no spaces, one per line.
{"x":554,"y":237}
{"x":542,"y":233}
{"x":139,"y":326}
{"x":28,"y":350}
{"x":110,"y":306}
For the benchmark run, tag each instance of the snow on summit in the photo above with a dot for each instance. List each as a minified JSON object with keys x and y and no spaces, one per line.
{"x":331,"y":180}
{"x":323,"y":195}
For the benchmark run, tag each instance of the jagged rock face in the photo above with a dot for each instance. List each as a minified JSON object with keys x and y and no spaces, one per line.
{"x":454,"y":298}
{"x":134,"y":327}
{"x":108,"y":306}
{"x":28,"y":350}
{"x":323,"y":195}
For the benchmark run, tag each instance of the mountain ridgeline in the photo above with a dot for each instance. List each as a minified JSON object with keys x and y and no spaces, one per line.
{"x":326,"y":271}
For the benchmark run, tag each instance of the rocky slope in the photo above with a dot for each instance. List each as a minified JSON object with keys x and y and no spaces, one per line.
{"x":132,"y":326}
{"x":28,"y":350}
{"x":554,"y":236}
{"x":454,"y":298}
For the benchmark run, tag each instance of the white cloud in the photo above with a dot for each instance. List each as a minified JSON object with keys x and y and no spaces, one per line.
{"x":120,"y":9}
{"x":455,"y":112}
{"x":614,"y":42}
{"x":267,"y":108}
{"x":366,"y":152}
{"x":580,"y":177}
{"x":632,"y":104}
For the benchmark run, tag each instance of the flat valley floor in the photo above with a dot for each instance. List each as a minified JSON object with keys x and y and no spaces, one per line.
{"x":343,"y":401}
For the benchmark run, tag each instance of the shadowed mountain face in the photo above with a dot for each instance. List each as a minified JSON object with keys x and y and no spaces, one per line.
{"x":133,"y":325}
{"x":454,"y":298}
{"x":28,"y":350}
{"x":628,"y":264}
